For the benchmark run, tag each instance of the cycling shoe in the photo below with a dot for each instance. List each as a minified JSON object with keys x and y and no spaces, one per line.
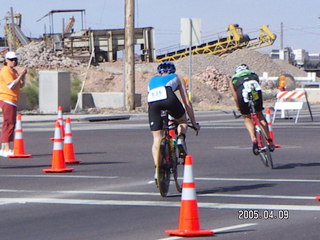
{"x":255,"y":148}
{"x":181,"y":144}
{"x":271,"y":145}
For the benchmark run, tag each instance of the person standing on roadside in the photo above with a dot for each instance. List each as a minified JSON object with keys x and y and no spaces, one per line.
{"x":10,"y":83}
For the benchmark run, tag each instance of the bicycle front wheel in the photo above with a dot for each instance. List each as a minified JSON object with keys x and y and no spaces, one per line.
{"x":163,"y":169}
{"x":264,"y":151}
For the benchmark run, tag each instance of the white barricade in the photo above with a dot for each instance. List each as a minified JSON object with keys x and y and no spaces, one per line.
{"x":298,"y":97}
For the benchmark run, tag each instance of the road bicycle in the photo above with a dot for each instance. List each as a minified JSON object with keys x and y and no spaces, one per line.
{"x":262,"y":140}
{"x":170,"y":157}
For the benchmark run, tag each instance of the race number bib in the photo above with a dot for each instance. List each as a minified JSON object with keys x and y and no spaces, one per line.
{"x":250,"y":87}
{"x":157,"y":94}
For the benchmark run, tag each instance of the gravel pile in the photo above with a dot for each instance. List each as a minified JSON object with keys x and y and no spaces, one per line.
{"x":257,"y":62}
{"x":215,"y":72}
{"x":210,"y":74}
{"x":37,"y":55}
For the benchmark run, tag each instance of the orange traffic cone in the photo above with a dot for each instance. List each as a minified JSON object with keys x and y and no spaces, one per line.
{"x":58,"y":164}
{"x":68,"y":148}
{"x":189,"y":223}
{"x":18,"y":144}
{"x":269,"y":122}
{"x":60,"y":120}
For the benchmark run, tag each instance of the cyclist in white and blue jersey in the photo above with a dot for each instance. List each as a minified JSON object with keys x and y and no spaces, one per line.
{"x":161,"y":96}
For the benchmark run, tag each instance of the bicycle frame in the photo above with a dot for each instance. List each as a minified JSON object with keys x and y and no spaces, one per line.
{"x":169,"y":126}
{"x":168,"y":159}
{"x":260,"y":134}
{"x":170,"y":129}
{"x":169,"y":156}
{"x":256,"y":122}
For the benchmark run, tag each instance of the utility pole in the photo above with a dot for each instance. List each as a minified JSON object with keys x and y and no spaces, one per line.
{"x":129,"y":55}
{"x":281,"y":36}
{"x":190,"y":61}
{"x":12,"y":46}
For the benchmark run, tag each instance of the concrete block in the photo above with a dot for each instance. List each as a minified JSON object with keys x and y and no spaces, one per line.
{"x":104,"y":100}
{"x":22,"y":103}
{"x":54,"y":91}
{"x":313,"y":94}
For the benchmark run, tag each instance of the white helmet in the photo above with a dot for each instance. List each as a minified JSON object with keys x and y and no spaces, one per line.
{"x":241,"y":68}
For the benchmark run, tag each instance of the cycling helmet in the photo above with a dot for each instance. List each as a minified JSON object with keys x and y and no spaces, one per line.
{"x":166,"y":67}
{"x":241,"y":68}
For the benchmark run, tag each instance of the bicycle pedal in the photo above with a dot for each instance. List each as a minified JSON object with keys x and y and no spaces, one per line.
{"x":271,"y":147}
{"x":180,"y":161}
{"x":156,"y":182}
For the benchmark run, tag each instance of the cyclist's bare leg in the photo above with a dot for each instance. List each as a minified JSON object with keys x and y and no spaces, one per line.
{"x":183,"y":125}
{"x":264,"y":124}
{"x":182,"y":129}
{"x":157,"y":136}
{"x":249,"y":125}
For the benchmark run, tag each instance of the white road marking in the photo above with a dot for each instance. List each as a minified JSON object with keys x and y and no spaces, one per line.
{"x":260,"y":180}
{"x":218,"y":230}
{"x":81,"y":192}
{"x":152,"y":181}
{"x":59,"y":176}
{"x":156,"y":204}
{"x":259,"y":196}
{"x":226,"y":229}
{"x":76,"y":192}
{"x":249,"y":147}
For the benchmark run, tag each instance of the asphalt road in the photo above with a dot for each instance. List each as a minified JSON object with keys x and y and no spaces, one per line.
{"x":111,"y":195}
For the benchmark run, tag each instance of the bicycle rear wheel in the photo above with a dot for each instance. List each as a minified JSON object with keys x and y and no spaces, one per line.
{"x":176,"y":170}
{"x":264,"y":151}
{"x":163,"y":169}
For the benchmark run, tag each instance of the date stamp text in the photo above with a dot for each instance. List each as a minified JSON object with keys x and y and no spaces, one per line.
{"x":255,"y":214}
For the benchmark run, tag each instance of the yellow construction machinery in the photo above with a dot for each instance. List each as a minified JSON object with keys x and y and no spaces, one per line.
{"x":14,"y":35}
{"x":234,"y":40}
{"x":107,"y":42}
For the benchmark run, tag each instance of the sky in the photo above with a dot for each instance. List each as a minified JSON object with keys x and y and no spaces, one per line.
{"x":300,"y":18}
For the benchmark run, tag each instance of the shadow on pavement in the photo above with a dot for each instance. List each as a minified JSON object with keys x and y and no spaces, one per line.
{"x":294,"y":165}
{"x":236,"y":188}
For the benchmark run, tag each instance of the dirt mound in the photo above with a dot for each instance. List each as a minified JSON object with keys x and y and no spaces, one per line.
{"x":257,"y":62}
{"x":210,"y":74}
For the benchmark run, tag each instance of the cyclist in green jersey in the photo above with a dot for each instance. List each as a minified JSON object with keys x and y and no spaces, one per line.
{"x":240,"y":84}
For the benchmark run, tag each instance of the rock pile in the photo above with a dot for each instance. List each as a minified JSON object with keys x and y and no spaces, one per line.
{"x":37,"y":55}
{"x":214,"y":79}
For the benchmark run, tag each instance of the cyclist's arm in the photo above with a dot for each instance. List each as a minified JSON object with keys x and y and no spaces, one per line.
{"x":187,"y":103}
{"x":234,"y":94}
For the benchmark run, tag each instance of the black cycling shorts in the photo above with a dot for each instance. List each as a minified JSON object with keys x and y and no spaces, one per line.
{"x":172,"y":104}
{"x":244,"y":107}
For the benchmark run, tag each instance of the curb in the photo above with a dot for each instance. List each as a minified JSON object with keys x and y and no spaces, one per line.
{"x":75,"y":118}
